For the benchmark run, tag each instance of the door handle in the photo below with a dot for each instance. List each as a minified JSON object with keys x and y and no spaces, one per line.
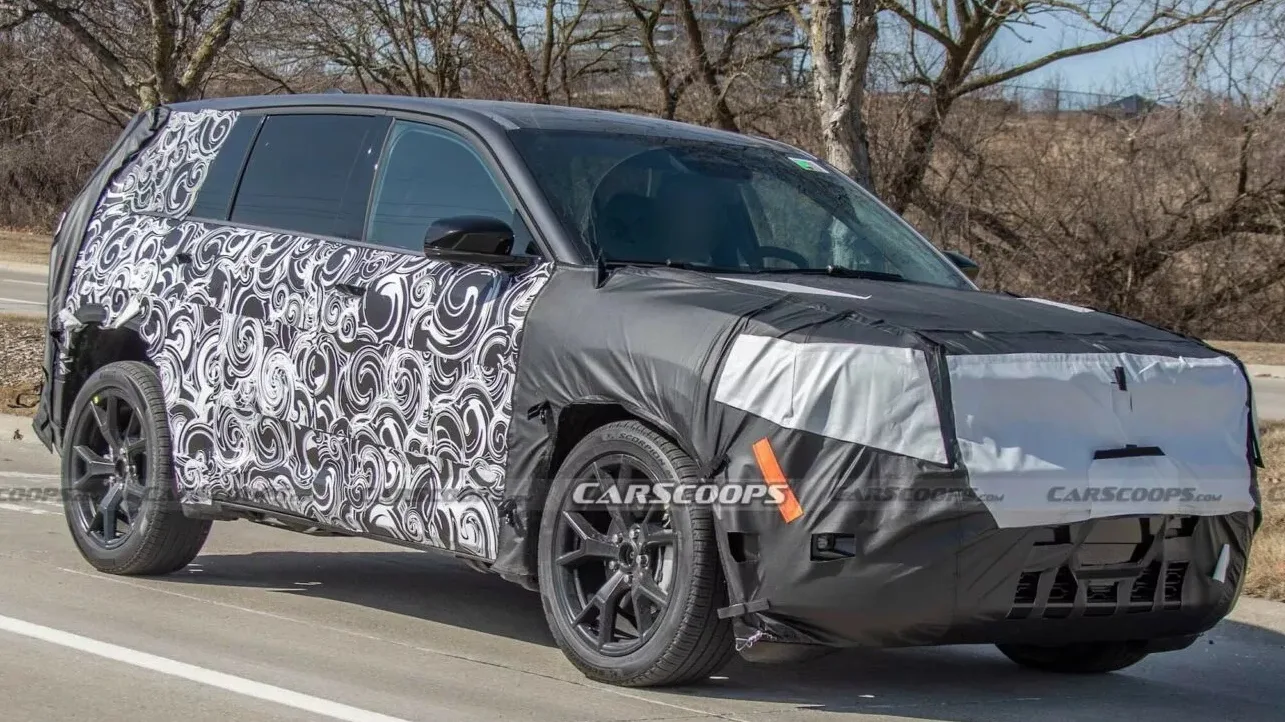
{"x":351,"y":289}
{"x":183,"y":257}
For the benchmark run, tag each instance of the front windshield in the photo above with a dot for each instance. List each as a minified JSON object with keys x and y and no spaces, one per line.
{"x":723,"y":206}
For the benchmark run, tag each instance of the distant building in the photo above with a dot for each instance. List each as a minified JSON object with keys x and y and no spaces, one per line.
{"x":1130,"y":106}
{"x":718,"y":19}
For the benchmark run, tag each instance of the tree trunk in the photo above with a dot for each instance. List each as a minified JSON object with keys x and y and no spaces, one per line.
{"x":909,"y":174}
{"x":704,"y":69}
{"x":147,"y":97}
{"x":843,"y":132}
{"x":841,"y":49}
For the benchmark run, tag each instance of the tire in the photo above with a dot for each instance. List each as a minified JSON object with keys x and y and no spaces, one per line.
{"x":123,"y":402}
{"x":1084,"y":658}
{"x":678,"y":642}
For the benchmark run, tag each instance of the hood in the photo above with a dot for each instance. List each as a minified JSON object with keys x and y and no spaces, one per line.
{"x":969,"y":321}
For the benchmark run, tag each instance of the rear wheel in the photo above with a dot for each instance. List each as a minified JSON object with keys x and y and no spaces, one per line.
{"x":631,"y":590}
{"x":118,"y":478}
{"x":1083,"y":658}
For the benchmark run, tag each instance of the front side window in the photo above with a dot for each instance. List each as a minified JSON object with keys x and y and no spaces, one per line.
{"x":723,"y":206}
{"x":428,"y":174}
{"x":311,"y":174}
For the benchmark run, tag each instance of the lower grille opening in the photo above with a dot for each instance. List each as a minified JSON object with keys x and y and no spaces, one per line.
{"x":1101,"y":550}
{"x":1100,"y":597}
{"x":1144,"y":590}
{"x":1064,"y":587}
{"x":1174,"y":577}
{"x":1027,"y":587}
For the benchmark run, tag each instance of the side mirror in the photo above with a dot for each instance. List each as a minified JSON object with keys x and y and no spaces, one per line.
{"x":965,"y":264}
{"x":468,"y":235}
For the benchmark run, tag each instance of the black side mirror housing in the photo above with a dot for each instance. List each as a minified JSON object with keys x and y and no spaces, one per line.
{"x":468,"y":236}
{"x":965,"y":264}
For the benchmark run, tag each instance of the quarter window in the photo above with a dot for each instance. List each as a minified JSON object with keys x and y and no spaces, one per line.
{"x":311,"y":174}
{"x":215,"y":196}
{"x":427,"y":174}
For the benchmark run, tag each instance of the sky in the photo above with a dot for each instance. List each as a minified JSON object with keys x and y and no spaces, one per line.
{"x":1135,"y":67}
{"x":1143,"y":67}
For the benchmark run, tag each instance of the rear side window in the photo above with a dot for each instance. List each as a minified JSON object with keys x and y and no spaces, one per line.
{"x":311,"y":174}
{"x":429,"y":173}
{"x":215,"y":197}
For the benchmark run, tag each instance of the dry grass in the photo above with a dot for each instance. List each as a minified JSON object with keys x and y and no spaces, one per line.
{"x":1266,"y":576}
{"x":23,"y":247}
{"x":1253,"y":352}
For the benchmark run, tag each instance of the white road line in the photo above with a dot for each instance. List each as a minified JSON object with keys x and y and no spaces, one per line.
{"x":27,"y":509}
{"x":19,"y":300}
{"x":26,"y":283}
{"x":28,"y":475}
{"x":449,"y":654}
{"x":193,"y":673}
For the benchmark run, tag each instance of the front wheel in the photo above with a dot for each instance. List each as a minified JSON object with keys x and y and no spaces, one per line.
{"x":1083,"y":658}
{"x":118,"y":476}
{"x":631,"y":590}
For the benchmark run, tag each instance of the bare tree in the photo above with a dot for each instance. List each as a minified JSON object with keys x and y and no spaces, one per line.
{"x":707,"y":45}
{"x":671,"y":82}
{"x":160,"y":51}
{"x":703,"y":67}
{"x":538,"y":50}
{"x":958,"y":34}
{"x":401,"y":47}
{"x":44,"y":150}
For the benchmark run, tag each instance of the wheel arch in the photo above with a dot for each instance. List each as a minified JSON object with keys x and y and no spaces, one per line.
{"x":567,"y":426}
{"x":93,"y":346}
{"x":577,"y":420}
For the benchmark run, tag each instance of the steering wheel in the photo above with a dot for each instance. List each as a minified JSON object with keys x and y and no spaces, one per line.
{"x":785,"y":254}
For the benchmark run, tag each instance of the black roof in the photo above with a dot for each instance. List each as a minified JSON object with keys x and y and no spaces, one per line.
{"x":503,"y":114}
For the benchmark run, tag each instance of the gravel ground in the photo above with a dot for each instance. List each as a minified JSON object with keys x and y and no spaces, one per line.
{"x":21,"y":354}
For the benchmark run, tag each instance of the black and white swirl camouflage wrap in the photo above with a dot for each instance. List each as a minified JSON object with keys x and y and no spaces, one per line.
{"x":383,"y":411}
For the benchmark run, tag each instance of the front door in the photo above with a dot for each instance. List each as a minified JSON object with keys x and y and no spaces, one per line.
{"x":425,"y":350}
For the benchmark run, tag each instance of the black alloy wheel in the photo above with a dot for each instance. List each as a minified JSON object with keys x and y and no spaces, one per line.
{"x":615,"y":563}
{"x":108,"y":468}
{"x":631,"y":586}
{"x":119,"y":493}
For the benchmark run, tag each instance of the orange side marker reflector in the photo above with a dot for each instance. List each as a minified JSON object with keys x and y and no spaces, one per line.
{"x":772,"y":474}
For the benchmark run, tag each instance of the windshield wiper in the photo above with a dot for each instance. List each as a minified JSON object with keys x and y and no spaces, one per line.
{"x":684,"y":265}
{"x":839,"y":272}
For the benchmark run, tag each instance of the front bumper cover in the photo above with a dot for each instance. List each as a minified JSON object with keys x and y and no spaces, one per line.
{"x":956,"y":582}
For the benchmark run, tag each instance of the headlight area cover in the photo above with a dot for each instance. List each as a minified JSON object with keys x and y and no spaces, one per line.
{"x":1044,"y":437}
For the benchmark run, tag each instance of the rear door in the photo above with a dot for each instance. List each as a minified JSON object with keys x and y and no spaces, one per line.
{"x":301,"y":195}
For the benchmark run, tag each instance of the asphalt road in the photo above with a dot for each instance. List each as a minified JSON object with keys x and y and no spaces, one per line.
{"x":271,"y":625}
{"x":22,"y":289}
{"x":1269,"y":391}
